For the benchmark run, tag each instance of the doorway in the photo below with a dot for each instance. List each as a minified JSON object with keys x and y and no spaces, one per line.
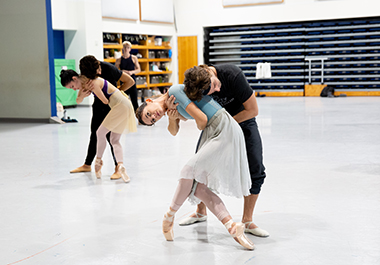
{"x":187,"y":55}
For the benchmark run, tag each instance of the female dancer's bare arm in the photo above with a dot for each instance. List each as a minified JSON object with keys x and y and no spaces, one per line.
{"x":174,"y":120}
{"x":82,"y":93}
{"x":98,"y":84}
{"x":127,"y":80}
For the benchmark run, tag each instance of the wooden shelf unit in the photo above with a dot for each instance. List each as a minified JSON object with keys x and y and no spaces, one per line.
{"x":154,"y":85}
{"x":145,"y":47}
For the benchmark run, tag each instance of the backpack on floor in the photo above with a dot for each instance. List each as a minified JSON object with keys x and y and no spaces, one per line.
{"x":328,"y":91}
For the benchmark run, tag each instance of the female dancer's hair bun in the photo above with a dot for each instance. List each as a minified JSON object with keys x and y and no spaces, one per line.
{"x":67,"y":76}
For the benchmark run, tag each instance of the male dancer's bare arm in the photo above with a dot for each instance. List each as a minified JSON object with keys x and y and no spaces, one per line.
{"x":250,"y":111}
{"x":127,"y":80}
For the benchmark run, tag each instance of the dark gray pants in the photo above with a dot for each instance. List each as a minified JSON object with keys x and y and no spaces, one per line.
{"x":254,"y":154}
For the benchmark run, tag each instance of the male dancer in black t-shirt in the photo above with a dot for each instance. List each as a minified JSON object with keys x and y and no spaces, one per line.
{"x":228,"y":86}
{"x":110,"y":73}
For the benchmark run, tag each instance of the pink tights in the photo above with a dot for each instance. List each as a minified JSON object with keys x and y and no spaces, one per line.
{"x":102,"y":143}
{"x":210,"y":199}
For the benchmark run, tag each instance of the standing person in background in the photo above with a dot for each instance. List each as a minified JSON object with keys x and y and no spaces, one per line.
{"x":129,"y":64}
{"x":227,"y":85}
{"x":110,"y":73}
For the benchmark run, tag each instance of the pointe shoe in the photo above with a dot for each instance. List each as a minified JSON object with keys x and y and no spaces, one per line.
{"x":240,"y":237}
{"x":116,"y":175}
{"x":123,"y":173}
{"x":167,"y":226}
{"x":84,"y":168}
{"x":255,"y":231}
{"x":192,"y":220}
{"x":98,"y":167}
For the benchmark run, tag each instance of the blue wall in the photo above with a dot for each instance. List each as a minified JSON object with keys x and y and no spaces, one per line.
{"x":59,"y":44}
{"x":50,"y":38}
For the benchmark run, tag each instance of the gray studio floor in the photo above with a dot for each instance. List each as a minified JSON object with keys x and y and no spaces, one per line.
{"x":320,"y":202}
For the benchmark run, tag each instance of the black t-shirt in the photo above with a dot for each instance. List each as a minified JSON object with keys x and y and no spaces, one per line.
{"x":235,"y":89}
{"x":110,"y":73}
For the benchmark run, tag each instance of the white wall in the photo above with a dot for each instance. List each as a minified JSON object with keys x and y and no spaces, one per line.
{"x":65,"y":14}
{"x":81,"y":21}
{"x":83,"y":25}
{"x":193,"y":15}
{"x":24,"y":65}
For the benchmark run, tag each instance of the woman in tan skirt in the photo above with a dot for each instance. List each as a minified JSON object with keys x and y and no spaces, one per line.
{"x":119,"y":120}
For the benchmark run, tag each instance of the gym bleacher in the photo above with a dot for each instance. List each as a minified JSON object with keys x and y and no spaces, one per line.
{"x":350,"y":49}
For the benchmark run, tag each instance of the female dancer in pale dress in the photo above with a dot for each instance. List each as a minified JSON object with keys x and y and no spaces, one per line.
{"x":119,"y":120}
{"x":219,"y":165}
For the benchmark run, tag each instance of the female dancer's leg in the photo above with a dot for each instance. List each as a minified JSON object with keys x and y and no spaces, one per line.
{"x":213,"y":202}
{"x":118,"y":151}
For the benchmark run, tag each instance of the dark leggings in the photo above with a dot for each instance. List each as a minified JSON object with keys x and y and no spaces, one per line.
{"x":132,"y":92}
{"x":99,"y":112}
{"x":254,"y":154}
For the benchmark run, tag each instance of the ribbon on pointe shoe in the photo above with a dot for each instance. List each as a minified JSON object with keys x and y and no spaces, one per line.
{"x":98,"y":167}
{"x":167,"y":225}
{"x":123,"y":173}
